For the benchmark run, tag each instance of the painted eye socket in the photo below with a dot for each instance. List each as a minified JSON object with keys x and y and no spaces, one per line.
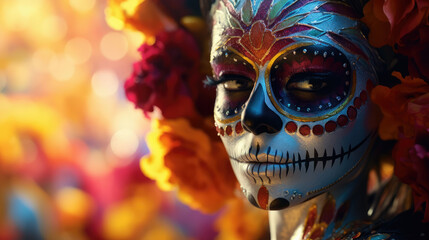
{"x":237,"y":83}
{"x":232,"y":93}
{"x":311,"y":79}
{"x":308,"y":82}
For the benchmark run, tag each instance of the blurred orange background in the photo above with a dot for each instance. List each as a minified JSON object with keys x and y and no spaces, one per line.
{"x":70,"y":142}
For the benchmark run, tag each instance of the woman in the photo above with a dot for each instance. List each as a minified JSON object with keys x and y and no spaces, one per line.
{"x":296,"y":76}
{"x":293,"y":110}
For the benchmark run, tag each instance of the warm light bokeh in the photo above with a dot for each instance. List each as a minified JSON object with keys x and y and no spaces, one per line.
{"x":70,"y":143}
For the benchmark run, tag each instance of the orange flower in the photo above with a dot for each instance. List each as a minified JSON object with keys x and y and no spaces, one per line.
{"x":142,"y":15}
{"x":377,"y":22}
{"x":186,"y":157}
{"x":404,"y":106}
{"x":242,"y":221}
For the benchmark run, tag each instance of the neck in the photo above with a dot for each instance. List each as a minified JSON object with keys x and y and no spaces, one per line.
{"x":322,"y":216}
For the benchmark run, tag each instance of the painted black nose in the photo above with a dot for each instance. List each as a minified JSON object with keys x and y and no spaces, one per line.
{"x":258,"y":117}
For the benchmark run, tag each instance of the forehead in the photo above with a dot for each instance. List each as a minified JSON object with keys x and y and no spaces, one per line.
{"x":260,"y":29}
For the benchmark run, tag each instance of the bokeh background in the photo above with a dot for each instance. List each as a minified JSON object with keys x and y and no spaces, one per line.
{"x":70,"y":142}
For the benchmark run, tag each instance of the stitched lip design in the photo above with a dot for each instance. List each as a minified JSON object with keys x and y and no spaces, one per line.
{"x":281,"y":158}
{"x":267,"y":165}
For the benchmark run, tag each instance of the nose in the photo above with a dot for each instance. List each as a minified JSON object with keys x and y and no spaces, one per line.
{"x":258,"y":117}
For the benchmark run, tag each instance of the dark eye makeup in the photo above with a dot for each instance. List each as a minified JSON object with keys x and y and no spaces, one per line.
{"x":311,"y":79}
{"x":308,"y":79}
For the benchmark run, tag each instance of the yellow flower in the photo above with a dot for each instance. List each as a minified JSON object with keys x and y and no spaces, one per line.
{"x":185,"y":157}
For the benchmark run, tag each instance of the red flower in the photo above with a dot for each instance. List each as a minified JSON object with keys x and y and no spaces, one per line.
{"x":404,"y":106}
{"x":412,"y":167}
{"x":168,"y":76}
{"x":415,"y":45}
{"x":406,"y":117}
{"x":403,"y":25}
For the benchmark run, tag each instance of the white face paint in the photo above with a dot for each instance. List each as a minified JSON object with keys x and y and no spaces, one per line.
{"x":292,"y":108}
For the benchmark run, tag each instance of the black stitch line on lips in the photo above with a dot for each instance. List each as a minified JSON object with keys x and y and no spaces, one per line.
{"x":266,"y":173}
{"x":307,"y":162}
{"x":299,"y":161}
{"x":274,"y":170}
{"x":280,"y":174}
{"x":287,"y":156}
{"x":259,"y":168}
{"x":268,"y":152}
{"x":253,"y":167}
{"x":248,"y":167}
{"x":350,"y":148}
{"x":248,"y":173}
{"x":247,"y":157}
{"x":275,"y":156}
{"x":257,"y":152}
{"x":250,"y":150}
{"x":324,"y":158}
{"x":342,"y":155}
{"x":287,"y":165}
{"x":316,"y":159}
{"x":293,"y":162}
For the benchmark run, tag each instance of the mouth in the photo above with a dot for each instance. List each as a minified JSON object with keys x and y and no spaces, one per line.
{"x":259,"y":163}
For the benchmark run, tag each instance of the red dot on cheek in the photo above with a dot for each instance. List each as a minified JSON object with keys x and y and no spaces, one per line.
{"x":228,"y":130}
{"x":238,"y":128}
{"x":318,"y":130}
{"x":291,"y":127}
{"x":330,"y":126}
{"x":220,"y":131}
{"x":304,"y":130}
{"x":357,"y":102}
{"x":342,"y":120}
{"x":351,"y":113}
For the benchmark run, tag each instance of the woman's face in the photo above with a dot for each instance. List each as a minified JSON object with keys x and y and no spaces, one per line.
{"x":292,"y":108}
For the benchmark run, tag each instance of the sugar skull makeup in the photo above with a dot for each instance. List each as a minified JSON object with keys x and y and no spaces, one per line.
{"x":292,"y":108}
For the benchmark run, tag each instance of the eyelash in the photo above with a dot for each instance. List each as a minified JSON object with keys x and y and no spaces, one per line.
{"x":212,"y":82}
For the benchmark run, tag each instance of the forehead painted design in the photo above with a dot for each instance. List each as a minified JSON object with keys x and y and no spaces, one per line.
{"x":259,"y":29}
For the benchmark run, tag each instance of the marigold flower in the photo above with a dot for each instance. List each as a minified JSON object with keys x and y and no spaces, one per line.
{"x":404,"y":106}
{"x":187,"y":158}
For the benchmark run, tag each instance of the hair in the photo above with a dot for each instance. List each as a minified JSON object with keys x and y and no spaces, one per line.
{"x":206,"y":5}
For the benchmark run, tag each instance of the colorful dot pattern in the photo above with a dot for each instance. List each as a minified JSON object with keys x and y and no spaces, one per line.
{"x":230,"y":129}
